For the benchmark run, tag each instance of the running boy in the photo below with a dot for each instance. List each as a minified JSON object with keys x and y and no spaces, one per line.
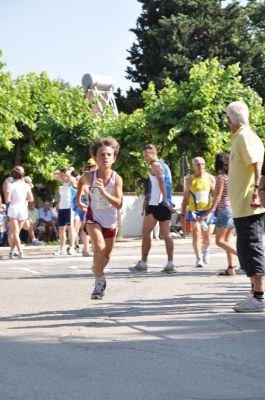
{"x":105,"y":198}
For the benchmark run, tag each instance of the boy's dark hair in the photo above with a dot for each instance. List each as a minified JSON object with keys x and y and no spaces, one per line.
{"x":17,"y":173}
{"x":150,"y":146}
{"x":105,"y":141}
{"x":222,"y":163}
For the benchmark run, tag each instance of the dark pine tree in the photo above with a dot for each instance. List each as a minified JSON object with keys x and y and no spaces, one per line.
{"x":171,"y":35}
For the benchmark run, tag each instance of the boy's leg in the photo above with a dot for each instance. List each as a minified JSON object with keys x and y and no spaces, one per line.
{"x":98,"y":240}
{"x":100,"y":259}
{"x":109,"y":244}
{"x":85,"y":239}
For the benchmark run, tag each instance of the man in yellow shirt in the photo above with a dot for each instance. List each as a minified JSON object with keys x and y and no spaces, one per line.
{"x":198,"y":198}
{"x":246,"y":158}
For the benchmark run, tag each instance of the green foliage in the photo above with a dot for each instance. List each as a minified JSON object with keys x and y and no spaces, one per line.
{"x":44,"y":125}
{"x":47,"y":124}
{"x":188,"y":117}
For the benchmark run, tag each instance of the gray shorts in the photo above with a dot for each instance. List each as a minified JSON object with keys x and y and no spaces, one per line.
{"x":250,"y":244}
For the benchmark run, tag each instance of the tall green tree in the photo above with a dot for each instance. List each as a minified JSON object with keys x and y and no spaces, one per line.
{"x":256,"y":77}
{"x":172,"y":35}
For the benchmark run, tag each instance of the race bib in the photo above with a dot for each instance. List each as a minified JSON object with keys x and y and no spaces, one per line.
{"x":100,"y":200}
{"x":202,"y":197}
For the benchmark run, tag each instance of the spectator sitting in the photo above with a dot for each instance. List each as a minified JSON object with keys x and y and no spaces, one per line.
{"x":45,"y":225}
{"x":33,"y":222}
{"x":55,"y":206}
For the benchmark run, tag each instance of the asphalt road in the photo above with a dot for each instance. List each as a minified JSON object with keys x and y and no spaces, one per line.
{"x":151,"y":337}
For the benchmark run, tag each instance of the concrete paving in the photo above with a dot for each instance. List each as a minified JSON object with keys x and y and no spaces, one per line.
{"x":153,"y":336}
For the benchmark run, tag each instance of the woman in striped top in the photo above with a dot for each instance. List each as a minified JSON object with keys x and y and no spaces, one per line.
{"x":224,"y":222}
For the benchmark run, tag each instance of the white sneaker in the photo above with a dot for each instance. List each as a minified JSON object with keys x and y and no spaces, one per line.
{"x":77,"y":248}
{"x":61,"y":252}
{"x":71,"y":251}
{"x":250,"y":305}
{"x":13,"y":255}
{"x":206,"y":255}
{"x":169,"y":269}
{"x":248,"y":297}
{"x":199,"y":263}
{"x":37,"y":242}
{"x":141,"y":266}
{"x":20,"y":255}
{"x":100,"y":286}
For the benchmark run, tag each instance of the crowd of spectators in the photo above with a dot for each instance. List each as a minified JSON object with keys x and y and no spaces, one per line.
{"x":42,"y":224}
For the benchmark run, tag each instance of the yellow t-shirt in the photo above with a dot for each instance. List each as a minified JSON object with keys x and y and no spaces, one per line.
{"x":200,"y":197}
{"x":247,"y":149}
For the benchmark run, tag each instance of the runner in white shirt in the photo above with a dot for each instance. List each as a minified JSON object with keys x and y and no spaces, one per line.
{"x":17,"y":195}
{"x":105,"y":198}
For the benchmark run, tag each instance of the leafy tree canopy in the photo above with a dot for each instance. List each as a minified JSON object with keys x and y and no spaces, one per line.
{"x":188,"y":117}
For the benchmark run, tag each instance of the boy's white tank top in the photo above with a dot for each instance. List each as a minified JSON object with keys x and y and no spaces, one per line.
{"x":100,"y":209}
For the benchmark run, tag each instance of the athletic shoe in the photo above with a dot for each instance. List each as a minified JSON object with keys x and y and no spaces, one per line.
{"x":20,"y":255}
{"x":199,"y":263}
{"x":77,"y":248}
{"x":61,"y":252}
{"x":37,"y":242}
{"x":13,"y":255}
{"x":99,"y":289}
{"x":249,"y":296}
{"x":169,"y":269}
{"x":250,"y":305}
{"x":141,"y":266}
{"x":71,"y":251}
{"x":205,"y":256}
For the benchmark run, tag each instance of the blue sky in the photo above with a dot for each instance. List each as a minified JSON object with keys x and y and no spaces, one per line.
{"x":68,"y":38}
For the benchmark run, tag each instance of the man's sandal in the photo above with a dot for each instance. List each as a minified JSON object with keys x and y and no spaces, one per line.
{"x":230,"y":271}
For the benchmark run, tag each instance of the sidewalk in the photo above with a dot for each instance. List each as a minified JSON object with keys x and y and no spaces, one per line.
{"x":121,"y":243}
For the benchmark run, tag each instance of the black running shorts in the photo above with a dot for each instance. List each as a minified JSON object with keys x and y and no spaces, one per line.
{"x":160,"y":212}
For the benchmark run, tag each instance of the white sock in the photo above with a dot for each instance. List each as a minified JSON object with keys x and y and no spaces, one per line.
{"x":169,"y":264}
{"x":143,"y":263}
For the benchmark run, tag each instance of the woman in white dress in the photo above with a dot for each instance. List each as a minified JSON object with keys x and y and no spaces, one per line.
{"x":18,"y":195}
